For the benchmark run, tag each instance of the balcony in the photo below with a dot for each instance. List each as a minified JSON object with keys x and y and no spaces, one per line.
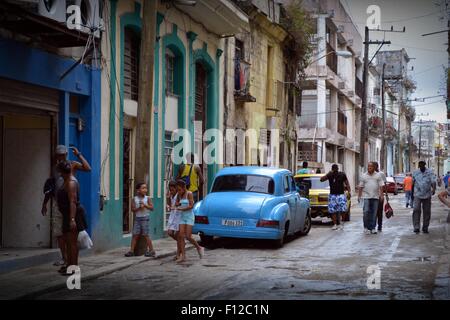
{"x":242,"y":81}
{"x":359,"y":89}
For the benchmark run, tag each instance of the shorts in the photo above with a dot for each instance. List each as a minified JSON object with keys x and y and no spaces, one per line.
{"x":57,"y":222}
{"x":141,"y":226}
{"x":187,"y":218}
{"x":174,"y":221}
{"x":337,"y":203}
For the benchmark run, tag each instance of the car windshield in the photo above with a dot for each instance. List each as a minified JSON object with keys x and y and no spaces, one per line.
{"x":243,"y":183}
{"x":311,"y":183}
{"x":399,"y":179}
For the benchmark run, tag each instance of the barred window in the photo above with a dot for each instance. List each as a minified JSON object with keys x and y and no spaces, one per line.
{"x":132,"y":45}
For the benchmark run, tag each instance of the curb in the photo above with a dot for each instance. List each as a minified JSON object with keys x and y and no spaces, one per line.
{"x":441,"y":289}
{"x":97,"y":273}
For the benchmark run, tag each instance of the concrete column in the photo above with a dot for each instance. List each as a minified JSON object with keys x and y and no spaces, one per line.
{"x":321,"y":64}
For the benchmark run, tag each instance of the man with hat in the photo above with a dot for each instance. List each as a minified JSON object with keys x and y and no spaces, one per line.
{"x":52,"y":185}
{"x":424,"y":187}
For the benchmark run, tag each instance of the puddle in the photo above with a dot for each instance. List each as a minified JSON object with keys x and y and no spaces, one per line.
{"x":214,"y":265}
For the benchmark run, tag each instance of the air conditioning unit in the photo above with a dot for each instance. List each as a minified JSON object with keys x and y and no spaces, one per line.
{"x":55,"y":10}
{"x":341,"y":85}
{"x":351,"y":93}
{"x":340,"y":29}
{"x":90,"y":14}
{"x":350,"y":42}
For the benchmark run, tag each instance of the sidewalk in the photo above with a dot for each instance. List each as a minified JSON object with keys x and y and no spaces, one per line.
{"x":34,"y":281}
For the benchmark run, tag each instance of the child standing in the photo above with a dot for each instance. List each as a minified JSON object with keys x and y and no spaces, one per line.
{"x":175,"y":216}
{"x":141,"y":207}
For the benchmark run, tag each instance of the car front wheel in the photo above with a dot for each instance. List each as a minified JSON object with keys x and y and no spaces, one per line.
{"x":307,"y":224}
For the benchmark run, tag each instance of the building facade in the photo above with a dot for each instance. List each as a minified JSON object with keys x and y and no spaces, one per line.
{"x":331,"y":102}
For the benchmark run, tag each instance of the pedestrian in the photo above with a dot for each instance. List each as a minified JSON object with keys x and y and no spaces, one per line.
{"x":337,"y":200}
{"x":444,"y":197}
{"x":424,"y":187}
{"x":371,"y":190}
{"x":184,"y":204}
{"x":141,"y":207}
{"x":173,"y":225}
{"x":318,"y":171}
{"x":304,"y":169}
{"x":74,"y":220}
{"x":51,"y":186}
{"x":407,"y":187}
{"x":381,"y":203}
{"x":192,"y":175}
{"x":445,"y":179}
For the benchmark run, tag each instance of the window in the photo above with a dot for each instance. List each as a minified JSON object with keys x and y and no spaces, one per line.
{"x":243,"y":183}
{"x":287,"y":186}
{"x":170,"y":72}
{"x":131,"y":54}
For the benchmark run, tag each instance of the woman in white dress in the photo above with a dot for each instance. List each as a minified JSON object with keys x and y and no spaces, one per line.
{"x":173,"y":224}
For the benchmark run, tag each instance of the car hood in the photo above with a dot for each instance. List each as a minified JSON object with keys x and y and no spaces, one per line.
{"x":233,"y":204}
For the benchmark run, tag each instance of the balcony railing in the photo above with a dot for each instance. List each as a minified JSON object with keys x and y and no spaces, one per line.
{"x":242,"y":81}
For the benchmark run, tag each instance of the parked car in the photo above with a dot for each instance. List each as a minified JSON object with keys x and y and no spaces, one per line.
{"x":252,"y":202}
{"x":317,"y":192}
{"x":399,"y":179}
{"x":391,"y":185}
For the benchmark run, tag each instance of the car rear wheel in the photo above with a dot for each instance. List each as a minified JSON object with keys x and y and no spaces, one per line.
{"x":279,"y":243}
{"x":307,"y":224}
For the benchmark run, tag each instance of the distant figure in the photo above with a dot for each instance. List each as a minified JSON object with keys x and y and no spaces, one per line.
{"x":304,"y":169}
{"x":192,"y":176}
{"x":318,"y":171}
{"x":407,"y":186}
{"x":446,"y":177}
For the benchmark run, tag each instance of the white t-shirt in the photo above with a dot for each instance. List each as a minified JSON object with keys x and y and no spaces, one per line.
{"x":143,"y":212}
{"x":371,"y":185}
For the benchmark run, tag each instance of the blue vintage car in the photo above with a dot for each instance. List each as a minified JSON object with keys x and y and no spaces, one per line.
{"x":252,"y":202}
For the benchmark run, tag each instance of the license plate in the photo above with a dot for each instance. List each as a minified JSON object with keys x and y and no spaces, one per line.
{"x":232,"y":223}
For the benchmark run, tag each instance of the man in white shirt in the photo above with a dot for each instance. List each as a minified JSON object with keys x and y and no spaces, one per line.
{"x":371,"y":190}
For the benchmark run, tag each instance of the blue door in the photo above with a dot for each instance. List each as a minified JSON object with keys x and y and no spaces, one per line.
{"x":74,"y":135}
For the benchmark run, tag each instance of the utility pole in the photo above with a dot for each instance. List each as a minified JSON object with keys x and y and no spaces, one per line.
{"x":144,"y":110}
{"x":145,"y":101}
{"x":383,"y":115}
{"x":420,"y":139}
{"x":364,"y":127}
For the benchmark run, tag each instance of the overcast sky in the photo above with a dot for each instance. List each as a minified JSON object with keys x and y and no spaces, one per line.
{"x":419,"y":17}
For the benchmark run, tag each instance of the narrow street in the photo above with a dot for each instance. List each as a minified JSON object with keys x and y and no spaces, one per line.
{"x":325,"y":264}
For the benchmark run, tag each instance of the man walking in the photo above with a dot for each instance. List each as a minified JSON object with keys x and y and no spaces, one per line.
{"x":371,"y":190}
{"x":337,"y":200}
{"x":424,"y":186}
{"x":192,"y":175}
{"x":407,"y":186}
{"x":381,"y":203}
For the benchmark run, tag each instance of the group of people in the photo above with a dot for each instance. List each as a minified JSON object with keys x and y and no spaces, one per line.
{"x":68,"y":215}
{"x":182,"y":194}
{"x":419,"y":188}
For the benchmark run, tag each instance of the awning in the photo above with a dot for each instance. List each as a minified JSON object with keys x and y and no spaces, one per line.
{"x":20,"y":21}
{"x":221,"y":17}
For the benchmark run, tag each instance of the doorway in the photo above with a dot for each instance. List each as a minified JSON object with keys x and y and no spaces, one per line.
{"x":127,"y":181}
{"x":26,"y":162}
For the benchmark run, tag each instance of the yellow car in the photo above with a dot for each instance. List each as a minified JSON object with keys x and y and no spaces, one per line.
{"x":310,"y":186}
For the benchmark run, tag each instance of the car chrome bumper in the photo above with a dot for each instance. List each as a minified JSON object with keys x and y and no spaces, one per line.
{"x":238,"y":232}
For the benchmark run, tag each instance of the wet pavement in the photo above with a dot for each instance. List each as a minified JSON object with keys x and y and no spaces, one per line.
{"x":325,"y":264}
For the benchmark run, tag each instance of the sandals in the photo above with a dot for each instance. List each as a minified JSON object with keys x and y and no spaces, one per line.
{"x":150,"y":254}
{"x":63,"y":271}
{"x":129,"y":254}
